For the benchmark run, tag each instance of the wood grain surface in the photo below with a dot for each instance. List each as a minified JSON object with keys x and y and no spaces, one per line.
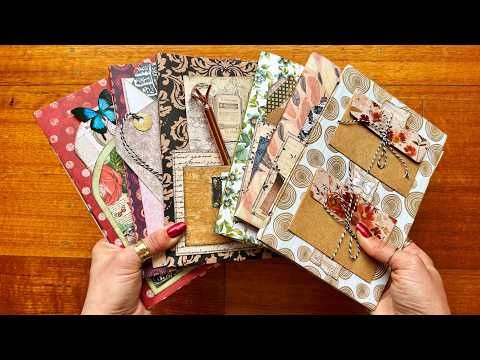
{"x":46,"y":234}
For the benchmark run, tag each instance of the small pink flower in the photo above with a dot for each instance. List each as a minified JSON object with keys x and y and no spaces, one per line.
{"x":410,"y":150}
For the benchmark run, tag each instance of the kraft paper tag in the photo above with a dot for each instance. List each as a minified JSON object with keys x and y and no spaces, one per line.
{"x":200,"y":215}
{"x":314,"y":225}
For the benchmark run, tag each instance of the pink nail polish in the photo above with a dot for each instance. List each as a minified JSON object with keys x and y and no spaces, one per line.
{"x":176,"y":229}
{"x":363,"y":230}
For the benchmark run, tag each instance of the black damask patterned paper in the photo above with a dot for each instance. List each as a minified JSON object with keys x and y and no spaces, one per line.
{"x":171,"y":105}
{"x":174,"y":136}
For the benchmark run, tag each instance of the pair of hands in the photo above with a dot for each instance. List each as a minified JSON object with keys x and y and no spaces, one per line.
{"x":115,"y":277}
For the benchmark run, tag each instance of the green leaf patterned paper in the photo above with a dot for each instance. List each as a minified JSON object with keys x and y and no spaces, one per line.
{"x":270,"y":69}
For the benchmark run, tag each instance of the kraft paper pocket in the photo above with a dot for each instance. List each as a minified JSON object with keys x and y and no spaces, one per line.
{"x":315,"y":226}
{"x":201,"y":245}
{"x":328,"y":200}
{"x":203,"y":190}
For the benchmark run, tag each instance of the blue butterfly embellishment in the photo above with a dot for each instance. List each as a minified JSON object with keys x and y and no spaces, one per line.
{"x":98,"y":118}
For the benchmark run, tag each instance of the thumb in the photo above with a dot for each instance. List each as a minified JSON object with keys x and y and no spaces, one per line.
{"x":380,"y":250}
{"x":156,"y":243}
{"x":165,"y":238}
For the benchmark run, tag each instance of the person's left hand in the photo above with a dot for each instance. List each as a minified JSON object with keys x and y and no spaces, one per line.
{"x":115,"y":274}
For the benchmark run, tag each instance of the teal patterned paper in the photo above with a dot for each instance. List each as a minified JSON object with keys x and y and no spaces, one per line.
{"x":270,"y":69}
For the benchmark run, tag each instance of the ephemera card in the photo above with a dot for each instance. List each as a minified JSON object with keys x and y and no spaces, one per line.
{"x":228,"y":98}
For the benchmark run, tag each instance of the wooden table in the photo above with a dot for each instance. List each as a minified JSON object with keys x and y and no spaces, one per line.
{"x":46,"y":233}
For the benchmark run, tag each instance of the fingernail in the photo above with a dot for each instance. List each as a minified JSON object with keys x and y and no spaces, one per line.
{"x":176,"y":229}
{"x":363,"y":230}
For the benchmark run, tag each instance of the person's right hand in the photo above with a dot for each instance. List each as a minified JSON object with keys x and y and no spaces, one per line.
{"x":416,"y":286}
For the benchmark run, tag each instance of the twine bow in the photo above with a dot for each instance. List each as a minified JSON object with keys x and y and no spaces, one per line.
{"x":383,"y":127}
{"x":348,"y":207}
